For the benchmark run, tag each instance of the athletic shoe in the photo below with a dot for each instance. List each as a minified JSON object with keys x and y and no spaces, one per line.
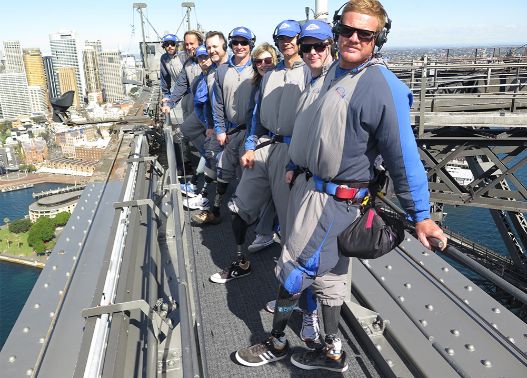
{"x":235,"y":270}
{"x":310,"y":331}
{"x":270,"y":306}
{"x":205,"y":217}
{"x":260,"y":242}
{"x":197,"y":203}
{"x":271,"y":350}
{"x":328,"y":358}
{"x":277,"y":238}
{"x":189,"y":190}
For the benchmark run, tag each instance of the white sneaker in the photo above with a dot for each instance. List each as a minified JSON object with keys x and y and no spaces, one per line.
{"x":260,"y":242}
{"x":196,"y":203}
{"x":270,"y":306}
{"x":310,"y":331}
{"x":189,"y":190}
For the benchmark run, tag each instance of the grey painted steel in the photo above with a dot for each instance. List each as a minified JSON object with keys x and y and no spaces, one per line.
{"x":82,"y":241}
{"x":189,"y":351}
{"x":462,"y":323}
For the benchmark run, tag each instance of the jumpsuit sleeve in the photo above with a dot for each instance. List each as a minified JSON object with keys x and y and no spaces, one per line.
{"x":218,"y":110}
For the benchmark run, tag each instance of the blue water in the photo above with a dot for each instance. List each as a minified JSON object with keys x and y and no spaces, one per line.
{"x":16,"y":281}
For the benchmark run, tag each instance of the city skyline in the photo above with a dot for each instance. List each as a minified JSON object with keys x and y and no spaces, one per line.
{"x":116,"y":23}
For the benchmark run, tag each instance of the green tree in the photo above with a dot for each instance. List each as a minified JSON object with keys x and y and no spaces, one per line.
{"x":42,"y":230}
{"x":61,"y":218}
{"x":20,"y":225}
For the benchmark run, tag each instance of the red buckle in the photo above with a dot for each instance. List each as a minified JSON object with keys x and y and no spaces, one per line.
{"x":344,"y":192}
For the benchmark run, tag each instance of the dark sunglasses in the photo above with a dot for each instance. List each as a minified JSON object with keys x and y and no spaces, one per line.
{"x":169,"y":43}
{"x":268,"y":60}
{"x":306,"y":48}
{"x":203,"y":57}
{"x":364,"y":35}
{"x":235,"y":42}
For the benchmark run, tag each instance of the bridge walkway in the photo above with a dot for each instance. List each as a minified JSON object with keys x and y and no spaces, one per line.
{"x":234,"y":314}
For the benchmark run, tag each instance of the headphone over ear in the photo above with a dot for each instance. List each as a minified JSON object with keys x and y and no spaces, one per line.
{"x":380,"y":38}
{"x":220,"y":36}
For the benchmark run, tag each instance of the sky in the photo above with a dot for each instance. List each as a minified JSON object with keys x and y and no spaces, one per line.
{"x":440,"y":23}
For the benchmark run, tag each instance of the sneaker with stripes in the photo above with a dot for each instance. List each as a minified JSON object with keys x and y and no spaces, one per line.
{"x":273,"y":349}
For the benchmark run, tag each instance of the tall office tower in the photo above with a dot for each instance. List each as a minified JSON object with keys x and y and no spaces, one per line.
{"x":35,"y":72}
{"x":38,"y":98}
{"x":14,"y":95}
{"x":13,"y":56}
{"x":130,"y":72}
{"x":97,"y":45}
{"x":68,"y":82}
{"x":64,"y":52}
{"x":53,"y":86}
{"x":91,"y":69}
{"x":112,"y":75}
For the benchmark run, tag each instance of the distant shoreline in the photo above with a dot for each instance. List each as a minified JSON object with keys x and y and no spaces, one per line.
{"x":22,"y":261}
{"x":37,"y":178}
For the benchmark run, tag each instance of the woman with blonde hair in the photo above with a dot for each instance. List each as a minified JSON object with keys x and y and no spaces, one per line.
{"x":264,"y":59}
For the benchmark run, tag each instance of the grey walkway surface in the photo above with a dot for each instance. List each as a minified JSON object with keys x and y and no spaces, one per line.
{"x":234,"y":315}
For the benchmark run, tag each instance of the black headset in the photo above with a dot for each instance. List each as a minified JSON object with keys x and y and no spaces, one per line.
{"x":380,"y":37}
{"x":251,"y":41}
{"x":220,"y":35}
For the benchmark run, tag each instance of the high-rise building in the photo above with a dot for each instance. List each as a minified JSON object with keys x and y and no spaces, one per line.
{"x":97,"y":45}
{"x":112,"y":76}
{"x":64,"y":51}
{"x":13,"y":57}
{"x":14,"y":95}
{"x":67,"y":82}
{"x":38,"y":99}
{"x":53,"y":86}
{"x":91,"y":69}
{"x":35,"y":72}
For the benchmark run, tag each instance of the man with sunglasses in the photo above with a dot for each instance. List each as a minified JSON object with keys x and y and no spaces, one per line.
{"x":266,"y":147}
{"x":232,"y":107}
{"x":362,"y":110}
{"x":170,"y":66}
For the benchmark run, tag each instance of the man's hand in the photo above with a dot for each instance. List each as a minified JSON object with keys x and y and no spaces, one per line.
{"x":209,"y":132}
{"x":247,"y":160}
{"x":165,"y":109}
{"x":221,"y":138}
{"x":429,"y":229}
{"x":289,"y":176}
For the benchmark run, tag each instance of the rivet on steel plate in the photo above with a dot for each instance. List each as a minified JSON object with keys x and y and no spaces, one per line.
{"x":54,"y":267}
{"x":470,"y":347}
{"x":389,"y":362}
{"x":389,"y":267}
{"x":67,"y":239}
{"x":382,"y":278}
{"x":450,"y":351}
{"x":82,"y":208}
{"x":454,"y":332}
{"x":41,"y":340}
{"x":425,"y":253}
{"x":486,"y":363}
{"x":12,"y":359}
{"x":429,"y":307}
{"x":401,"y":298}
{"x":444,"y":269}
{"x":25,"y":329}
{"x":407,"y":285}
{"x":61,"y":292}
{"x":421,"y":262}
{"x":46,"y":285}
{"x":74,"y":258}
{"x":496,"y":310}
{"x":378,"y":347}
{"x":51,"y":314}
{"x":465,"y":300}
{"x":423,"y":322}
{"x":511,"y":339}
{"x":469,"y":288}
{"x":67,"y":274}
{"x":494,"y":325}
{"x":441,"y":280}
{"x":29,"y":372}
{"x":36,"y":306}
{"x":408,"y":239}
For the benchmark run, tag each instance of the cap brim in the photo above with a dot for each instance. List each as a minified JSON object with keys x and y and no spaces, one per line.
{"x":287,"y":33}
{"x":320,"y":36}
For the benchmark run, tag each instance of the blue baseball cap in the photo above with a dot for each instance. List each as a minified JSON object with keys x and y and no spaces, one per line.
{"x":170,"y":37}
{"x":316,"y":29}
{"x":201,"y":50}
{"x":243,"y":32}
{"x":288,"y":28}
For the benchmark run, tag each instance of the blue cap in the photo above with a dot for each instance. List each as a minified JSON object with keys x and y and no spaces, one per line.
{"x":243,"y":32}
{"x":201,"y":50}
{"x":316,"y":29}
{"x":170,"y":37}
{"x":288,"y":28}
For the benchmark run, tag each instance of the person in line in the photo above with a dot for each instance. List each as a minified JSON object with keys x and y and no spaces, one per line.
{"x":171,"y":64}
{"x":231,"y":108}
{"x":362,"y":110}
{"x":266,"y":147}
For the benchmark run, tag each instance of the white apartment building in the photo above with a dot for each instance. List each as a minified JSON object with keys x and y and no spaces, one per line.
{"x":64,"y":52}
{"x":14,"y":94}
{"x":112,"y":75}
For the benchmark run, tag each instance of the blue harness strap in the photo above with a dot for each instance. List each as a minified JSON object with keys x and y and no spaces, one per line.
{"x":337,"y":190}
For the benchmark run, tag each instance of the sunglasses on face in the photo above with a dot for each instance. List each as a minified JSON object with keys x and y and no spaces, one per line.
{"x":306,"y":48}
{"x":267,"y":60}
{"x":348,"y":31}
{"x":203,"y":57}
{"x":235,"y":42}
{"x":170,"y":43}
